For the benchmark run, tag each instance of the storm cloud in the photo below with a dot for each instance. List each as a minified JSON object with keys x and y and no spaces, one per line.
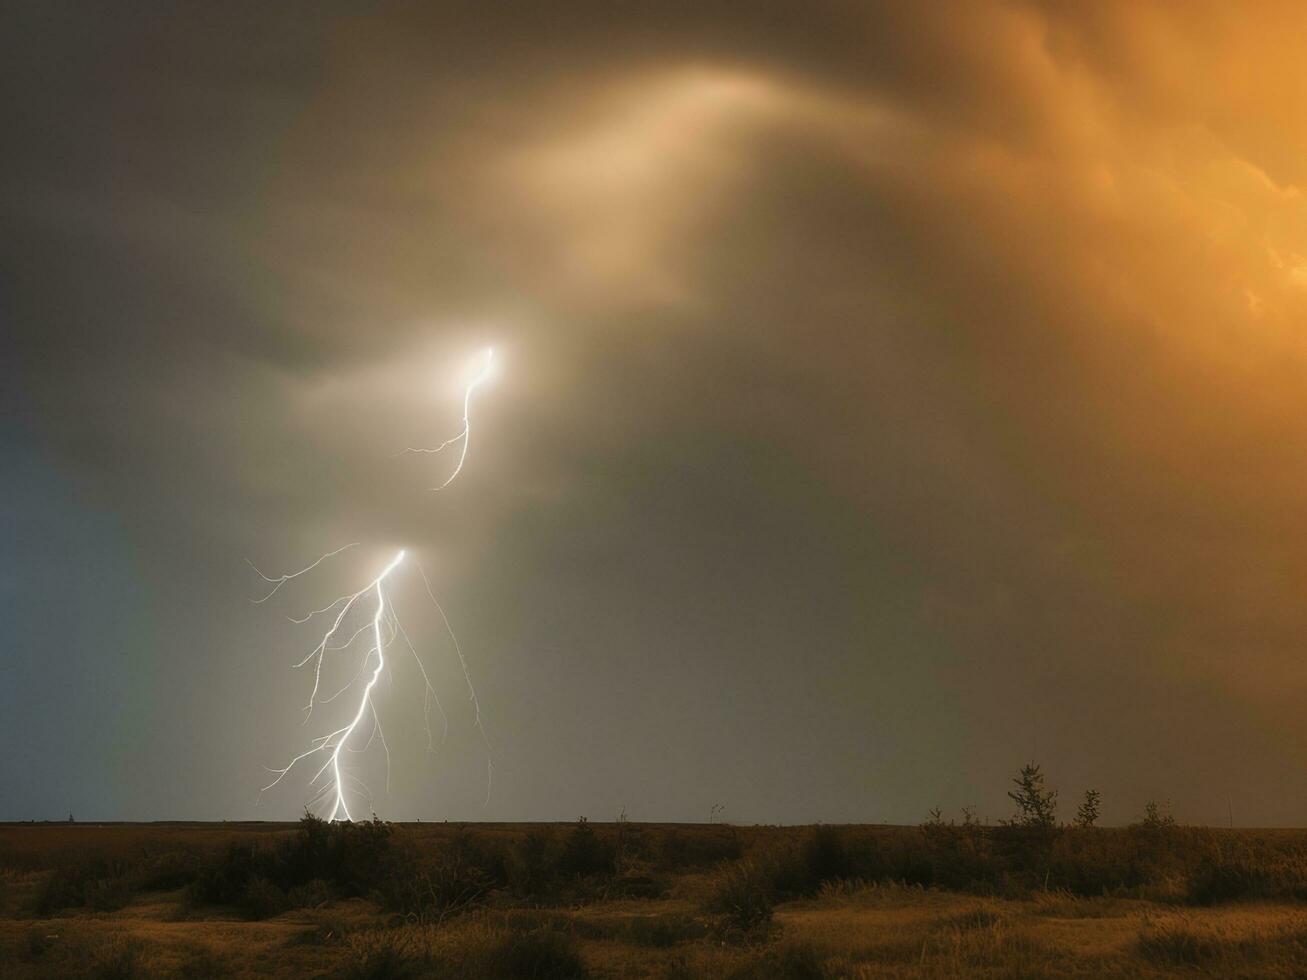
{"x":889,"y":393}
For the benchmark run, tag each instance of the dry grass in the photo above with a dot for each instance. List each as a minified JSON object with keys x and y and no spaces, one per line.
{"x":738,"y":904}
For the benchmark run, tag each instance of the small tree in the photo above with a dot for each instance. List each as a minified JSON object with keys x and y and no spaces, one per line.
{"x":1087,"y":814}
{"x":1157,"y":816}
{"x":1036,"y":805}
{"x":1026,"y":841}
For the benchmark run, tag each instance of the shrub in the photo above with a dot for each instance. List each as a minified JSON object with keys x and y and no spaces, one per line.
{"x":224,"y":879}
{"x":528,"y":865}
{"x":311,"y":895}
{"x":661,"y":931}
{"x":382,"y":956}
{"x":109,"y":894}
{"x":744,"y":895}
{"x":430,"y":894}
{"x":116,"y":960}
{"x":1157,"y":816}
{"x":825,"y":856}
{"x":1092,"y":863}
{"x":261,"y":899}
{"x":584,"y":853}
{"x":453,"y":880}
{"x":784,"y":870}
{"x":958,"y":856}
{"x":166,"y":870}
{"x":540,"y":954}
{"x":349,"y":858}
{"x":354,"y":857}
{"x":1215,"y":881}
{"x":101,"y":886}
{"x":680,"y":850}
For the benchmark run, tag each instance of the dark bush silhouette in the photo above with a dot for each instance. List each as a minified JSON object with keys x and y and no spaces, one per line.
{"x":97,"y":884}
{"x":744,"y":895}
{"x":1215,"y":881}
{"x":1087,"y":812}
{"x":1157,"y":817}
{"x":257,"y":877}
{"x":1025,"y":841}
{"x":541,"y":954}
{"x":825,"y":855}
{"x":529,"y":865}
{"x":584,"y":853}
{"x":428,"y":876}
{"x":434,"y":890}
{"x":957,"y":855}
{"x":680,"y":850}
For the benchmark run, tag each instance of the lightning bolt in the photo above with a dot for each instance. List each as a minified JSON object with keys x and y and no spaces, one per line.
{"x":385,"y":627}
{"x":280,"y":580}
{"x":334,"y":743}
{"x":464,"y":436}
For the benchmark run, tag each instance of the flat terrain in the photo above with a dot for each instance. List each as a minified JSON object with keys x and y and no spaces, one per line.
{"x":553,"y":901}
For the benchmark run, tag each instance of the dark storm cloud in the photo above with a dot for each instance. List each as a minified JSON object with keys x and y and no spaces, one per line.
{"x":888,"y":394}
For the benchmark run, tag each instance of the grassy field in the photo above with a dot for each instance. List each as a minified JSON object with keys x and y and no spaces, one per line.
{"x":638,"y":900}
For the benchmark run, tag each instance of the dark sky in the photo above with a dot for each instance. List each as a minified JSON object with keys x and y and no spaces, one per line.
{"x":887,"y":394}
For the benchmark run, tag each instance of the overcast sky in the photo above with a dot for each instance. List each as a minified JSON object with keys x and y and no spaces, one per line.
{"x":887,"y":394}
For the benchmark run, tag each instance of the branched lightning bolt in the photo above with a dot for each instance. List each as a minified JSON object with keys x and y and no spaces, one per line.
{"x":366,"y":701}
{"x":385,"y":628}
{"x":335,"y":742}
{"x":465,"y":435}
{"x":281,"y":580}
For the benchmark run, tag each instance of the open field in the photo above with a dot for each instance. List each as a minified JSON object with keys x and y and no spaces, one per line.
{"x":639,"y":900}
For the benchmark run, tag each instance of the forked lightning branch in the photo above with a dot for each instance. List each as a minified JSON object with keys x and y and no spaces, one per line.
{"x":332,"y":782}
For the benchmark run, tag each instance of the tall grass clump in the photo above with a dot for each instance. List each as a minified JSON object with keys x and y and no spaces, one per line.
{"x":1178,"y":944}
{"x":744,"y":895}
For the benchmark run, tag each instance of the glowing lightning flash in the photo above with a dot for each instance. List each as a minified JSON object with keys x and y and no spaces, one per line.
{"x":385,"y":628}
{"x":335,"y":742}
{"x":465,"y":435}
{"x":366,"y":701}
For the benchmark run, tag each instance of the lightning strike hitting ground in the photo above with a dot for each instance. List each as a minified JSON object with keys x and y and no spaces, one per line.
{"x":465,"y":435}
{"x":385,"y":627}
{"x":335,"y":742}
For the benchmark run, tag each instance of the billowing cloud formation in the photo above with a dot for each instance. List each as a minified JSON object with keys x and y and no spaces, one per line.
{"x":890,"y":394}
